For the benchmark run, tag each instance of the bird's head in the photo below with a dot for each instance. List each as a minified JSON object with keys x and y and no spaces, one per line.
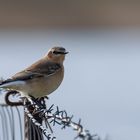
{"x":57,"y":54}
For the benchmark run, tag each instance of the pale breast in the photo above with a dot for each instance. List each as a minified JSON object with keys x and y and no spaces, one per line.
{"x":40,"y":87}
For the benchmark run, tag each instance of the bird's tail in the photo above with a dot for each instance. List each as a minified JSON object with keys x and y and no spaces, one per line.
{"x":3,"y":83}
{"x":11,"y":83}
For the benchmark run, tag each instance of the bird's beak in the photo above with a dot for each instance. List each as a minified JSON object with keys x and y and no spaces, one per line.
{"x":66,"y":52}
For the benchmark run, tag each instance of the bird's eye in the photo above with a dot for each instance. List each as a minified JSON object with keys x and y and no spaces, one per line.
{"x":55,"y":52}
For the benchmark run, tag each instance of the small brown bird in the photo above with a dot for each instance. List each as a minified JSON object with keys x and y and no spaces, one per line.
{"x":41,"y":78}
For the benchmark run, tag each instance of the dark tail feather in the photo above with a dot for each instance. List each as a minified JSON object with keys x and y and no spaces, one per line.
{"x":5,"y":81}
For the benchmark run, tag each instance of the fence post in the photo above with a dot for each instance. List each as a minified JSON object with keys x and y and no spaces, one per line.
{"x":32,"y":132}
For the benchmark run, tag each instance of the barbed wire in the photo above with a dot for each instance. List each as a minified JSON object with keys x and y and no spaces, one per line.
{"x":54,"y":117}
{"x":44,"y":119}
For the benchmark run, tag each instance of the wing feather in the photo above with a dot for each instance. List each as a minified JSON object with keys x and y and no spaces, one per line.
{"x":39,"y":69}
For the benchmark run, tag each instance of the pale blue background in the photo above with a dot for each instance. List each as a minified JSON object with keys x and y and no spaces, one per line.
{"x":102,"y":75}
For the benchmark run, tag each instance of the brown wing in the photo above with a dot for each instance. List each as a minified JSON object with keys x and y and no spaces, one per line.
{"x":38,"y":69}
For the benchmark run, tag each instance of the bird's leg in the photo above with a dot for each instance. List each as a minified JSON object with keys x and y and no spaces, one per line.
{"x":36,"y":101}
{"x":40,"y":102}
{"x":46,"y":97}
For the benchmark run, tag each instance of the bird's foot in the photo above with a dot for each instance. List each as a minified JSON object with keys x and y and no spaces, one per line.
{"x":40,"y":102}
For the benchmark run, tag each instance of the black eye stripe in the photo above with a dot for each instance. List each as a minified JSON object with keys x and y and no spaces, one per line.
{"x":55,"y":52}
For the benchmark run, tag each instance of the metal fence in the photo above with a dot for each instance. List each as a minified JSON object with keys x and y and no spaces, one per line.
{"x":11,"y":120}
{"x":28,"y":119}
{"x":15,"y":124}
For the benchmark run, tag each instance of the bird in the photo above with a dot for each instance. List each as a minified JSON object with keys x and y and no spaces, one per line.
{"x":41,"y":78}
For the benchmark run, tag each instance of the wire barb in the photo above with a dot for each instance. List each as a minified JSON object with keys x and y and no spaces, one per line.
{"x":50,"y":116}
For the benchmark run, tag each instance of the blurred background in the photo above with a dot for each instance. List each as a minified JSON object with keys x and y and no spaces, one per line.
{"x":102,"y":70}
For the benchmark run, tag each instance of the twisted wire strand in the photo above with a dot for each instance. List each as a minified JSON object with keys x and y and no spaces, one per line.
{"x":49,"y":116}
{"x":40,"y":126}
{"x":58,"y":117}
{"x":36,"y":131}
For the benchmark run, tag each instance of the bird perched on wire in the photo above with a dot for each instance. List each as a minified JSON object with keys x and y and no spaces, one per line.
{"x":41,"y":78}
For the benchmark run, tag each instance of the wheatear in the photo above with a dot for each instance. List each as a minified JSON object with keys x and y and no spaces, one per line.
{"x":41,"y":78}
